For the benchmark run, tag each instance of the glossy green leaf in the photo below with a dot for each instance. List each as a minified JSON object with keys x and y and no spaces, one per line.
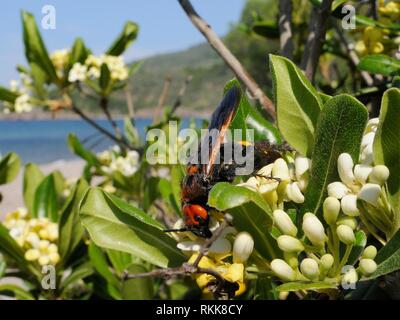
{"x":314,"y":286}
{"x":16,"y":291}
{"x":358,"y":247}
{"x":113,"y":226}
{"x":70,"y":228}
{"x":298,"y":104}
{"x":33,"y":176}
{"x":119,"y":260}
{"x":77,"y":148}
{"x":140,"y":288}
{"x":8,"y":95}
{"x":250,"y":213}
{"x":266,"y":289}
{"x":78,"y":273}
{"x":9,"y":167}
{"x":105,"y":77}
{"x":247,"y":117}
{"x":267,"y":29}
{"x":387,"y":147}
{"x":3,"y":267}
{"x":79,"y":52}
{"x":45,"y":200}
{"x":124,"y":40}
{"x":177,"y":174}
{"x":380,"y":64}
{"x":35,"y":49}
{"x":340,"y":129}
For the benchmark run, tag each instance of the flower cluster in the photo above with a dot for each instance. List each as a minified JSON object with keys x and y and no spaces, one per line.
{"x":91,"y":69}
{"x":282,"y":181}
{"x":228,"y":259}
{"x":315,"y":256}
{"x":60,"y":59}
{"x":114,"y":161}
{"x":38,"y":237}
{"x":23,"y":102}
{"x":377,"y":40}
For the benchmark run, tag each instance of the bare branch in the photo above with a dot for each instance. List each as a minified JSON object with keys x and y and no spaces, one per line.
{"x":163,"y":97}
{"x":240,"y":72}
{"x":285,"y":28}
{"x":312,"y":50}
{"x":129,"y":101}
{"x":181,"y":93}
{"x":104,"y":107}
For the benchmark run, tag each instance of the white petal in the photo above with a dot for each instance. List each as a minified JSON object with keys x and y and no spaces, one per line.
{"x":189,"y":245}
{"x":367,"y":156}
{"x":345,"y":168}
{"x":361,"y":172}
{"x":349,"y":205}
{"x":367,"y":139}
{"x":302,"y":165}
{"x":370,"y":193}
{"x":379,"y":174}
{"x":294,"y":193}
{"x":284,"y":223}
{"x":281,"y":170}
{"x":337,"y":190}
{"x":268,"y":187}
{"x":266,"y":171}
{"x":372,"y":125}
{"x":221,"y":246}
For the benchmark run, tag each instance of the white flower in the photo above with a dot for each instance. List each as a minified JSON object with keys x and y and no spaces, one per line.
{"x":94,"y":72}
{"x":242,"y":247}
{"x":309,"y":268}
{"x":60,"y":58}
{"x":345,"y":168}
{"x":22,"y":104}
{"x":77,"y":73}
{"x":293,"y":192}
{"x":337,"y":190}
{"x":282,"y":270}
{"x":284,"y":223}
{"x":370,"y":193}
{"x":313,"y":229}
{"x":280,"y":170}
{"x":361,"y":172}
{"x":349,"y":205}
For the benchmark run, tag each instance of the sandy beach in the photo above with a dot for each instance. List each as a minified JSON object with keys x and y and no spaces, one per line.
{"x":12,"y":192}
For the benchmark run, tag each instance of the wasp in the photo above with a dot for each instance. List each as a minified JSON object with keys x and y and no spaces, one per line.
{"x":200,"y":178}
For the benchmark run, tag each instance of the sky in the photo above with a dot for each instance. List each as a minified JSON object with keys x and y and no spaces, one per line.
{"x":164,"y":27}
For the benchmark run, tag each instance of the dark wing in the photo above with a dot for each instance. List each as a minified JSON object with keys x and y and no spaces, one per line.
{"x":220,"y":120}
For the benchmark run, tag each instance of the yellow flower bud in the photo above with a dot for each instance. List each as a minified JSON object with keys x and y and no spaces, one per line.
{"x":43,"y":245}
{"x":326,"y":262}
{"x":44,"y":260}
{"x":284,"y":223}
{"x":309,"y":268}
{"x":32,"y":254}
{"x":242,"y":247}
{"x":367,"y":266}
{"x":346,"y":234}
{"x":289,"y":244}
{"x":282,"y":270}
{"x":54,"y":258}
{"x":369,"y":252}
{"x":331,"y":208}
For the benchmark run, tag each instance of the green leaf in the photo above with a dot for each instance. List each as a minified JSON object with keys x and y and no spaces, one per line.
{"x":247,"y":117}
{"x":35,"y":50}
{"x":18,"y":292}
{"x":250,"y":213}
{"x":70,"y":228}
{"x":8,"y":95}
{"x":267,"y":29}
{"x":77,"y":148}
{"x":121,"y":227}
{"x":298,"y":104}
{"x":380,"y":64}
{"x":80,"y":272}
{"x":105,"y":77}
{"x":140,"y":288}
{"x":135,"y":67}
{"x":79,"y":52}
{"x":314,"y":286}
{"x":124,"y":40}
{"x":340,"y":129}
{"x":131,"y":132}
{"x":33,"y":176}
{"x":120,"y":260}
{"x":177,"y":174}
{"x":387,"y":147}
{"x":266,"y":289}
{"x":358,"y":247}
{"x":9,"y":167}
{"x":45,"y":200}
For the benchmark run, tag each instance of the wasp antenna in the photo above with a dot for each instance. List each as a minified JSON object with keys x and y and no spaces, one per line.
{"x":177,"y":230}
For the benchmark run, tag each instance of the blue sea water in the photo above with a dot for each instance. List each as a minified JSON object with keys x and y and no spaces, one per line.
{"x":43,"y":141}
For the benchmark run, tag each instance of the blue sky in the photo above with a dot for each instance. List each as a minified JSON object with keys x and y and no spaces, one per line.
{"x":163,"y":26}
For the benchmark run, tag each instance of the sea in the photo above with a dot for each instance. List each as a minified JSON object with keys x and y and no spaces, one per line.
{"x":44,"y":141}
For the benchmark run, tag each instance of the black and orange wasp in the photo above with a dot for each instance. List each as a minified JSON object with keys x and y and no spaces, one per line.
{"x":200,"y":178}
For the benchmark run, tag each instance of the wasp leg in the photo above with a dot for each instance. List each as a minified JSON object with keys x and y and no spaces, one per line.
{"x":255,"y":174}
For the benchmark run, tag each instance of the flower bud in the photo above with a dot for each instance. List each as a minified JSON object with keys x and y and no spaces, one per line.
{"x":284,"y":223}
{"x":337,"y":190}
{"x":326,"y":261}
{"x":54,"y":258}
{"x":346,"y":234}
{"x":331,"y":208}
{"x":361,"y":172}
{"x":302,"y":165}
{"x":309,"y":268}
{"x":242,"y":247}
{"x":281,"y":170}
{"x":367,"y":266}
{"x":282,"y":270}
{"x":367,"y":155}
{"x":44,"y":260}
{"x":293,"y":192}
{"x":345,"y":168}
{"x":289,"y":244}
{"x":369,"y":252}
{"x":379,"y":174}
{"x":348,"y":221}
{"x":349,"y":205}
{"x":313,"y":229}
{"x":32,"y":254}
{"x":370,"y":193}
